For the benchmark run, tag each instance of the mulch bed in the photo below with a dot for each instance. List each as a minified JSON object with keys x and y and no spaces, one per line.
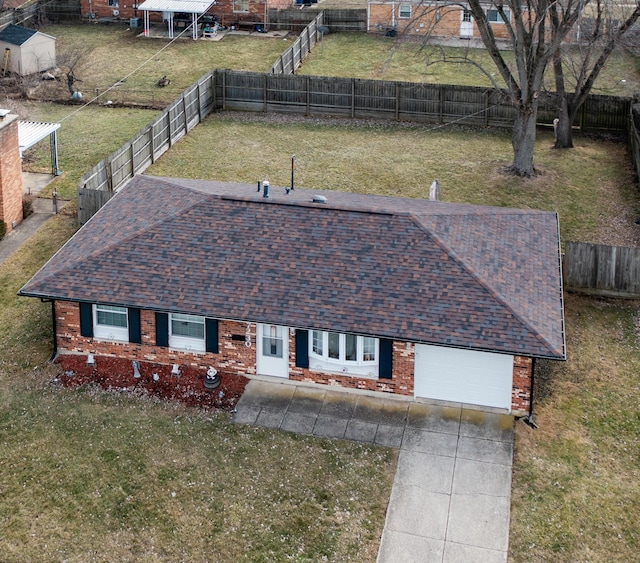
{"x":116,"y":374}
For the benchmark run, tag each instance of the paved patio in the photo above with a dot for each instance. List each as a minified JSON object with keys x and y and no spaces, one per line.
{"x":450,"y":500}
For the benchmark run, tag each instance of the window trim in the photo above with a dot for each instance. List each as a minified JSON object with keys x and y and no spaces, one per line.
{"x":402,"y":11}
{"x":240,"y":3}
{"x":103,"y":331}
{"x":187,"y":343}
{"x":498,"y":18}
{"x":359,"y":366}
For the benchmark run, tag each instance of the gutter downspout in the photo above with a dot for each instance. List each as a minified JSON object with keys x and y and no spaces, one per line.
{"x":55,"y":332}
{"x":529,"y":419}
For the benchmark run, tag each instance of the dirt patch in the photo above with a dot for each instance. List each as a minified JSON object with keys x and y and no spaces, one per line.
{"x":155,"y":379}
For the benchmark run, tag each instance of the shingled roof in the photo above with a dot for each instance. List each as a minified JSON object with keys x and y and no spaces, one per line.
{"x":16,"y":34}
{"x":485,"y":278}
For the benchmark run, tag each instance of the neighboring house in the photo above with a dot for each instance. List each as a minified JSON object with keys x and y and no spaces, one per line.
{"x":432,"y":19}
{"x":31,"y":51}
{"x":225,"y":11}
{"x":418,"y":298}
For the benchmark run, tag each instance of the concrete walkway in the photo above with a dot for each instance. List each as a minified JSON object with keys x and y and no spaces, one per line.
{"x":450,"y":500}
{"x":42,"y":211}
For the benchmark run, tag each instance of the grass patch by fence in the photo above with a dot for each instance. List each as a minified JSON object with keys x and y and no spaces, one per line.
{"x":359,"y":55}
{"x":84,"y":139}
{"x":575,"y":493}
{"x":113,"y":52}
{"x":393,"y":159}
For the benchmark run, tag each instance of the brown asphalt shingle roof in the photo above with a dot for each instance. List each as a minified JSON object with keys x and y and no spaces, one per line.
{"x":458,"y":275}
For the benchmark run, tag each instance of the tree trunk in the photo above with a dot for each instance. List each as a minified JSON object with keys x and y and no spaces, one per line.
{"x":564,"y":133}
{"x":523,"y":140}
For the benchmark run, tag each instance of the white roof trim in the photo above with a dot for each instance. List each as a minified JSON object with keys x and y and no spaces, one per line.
{"x":32,"y":132}
{"x":187,"y":6}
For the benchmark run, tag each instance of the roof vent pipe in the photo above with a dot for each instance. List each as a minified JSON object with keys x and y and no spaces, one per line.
{"x":265,"y":188}
{"x":258,"y":185}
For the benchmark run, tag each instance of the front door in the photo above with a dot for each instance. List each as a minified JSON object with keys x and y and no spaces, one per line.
{"x":466,"y":23}
{"x":273,"y":350}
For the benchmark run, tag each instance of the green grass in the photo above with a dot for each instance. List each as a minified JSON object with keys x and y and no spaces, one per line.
{"x":87,"y":475}
{"x":378,"y":58}
{"x":113,"y":53}
{"x":588,"y":185}
{"x":575,"y":493}
{"x":84,"y":139}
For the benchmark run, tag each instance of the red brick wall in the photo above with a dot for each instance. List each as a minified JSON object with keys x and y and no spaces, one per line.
{"x":10,"y":172}
{"x":401,"y":383}
{"x":223,"y":9}
{"x":521,"y":390}
{"x":236,"y":357}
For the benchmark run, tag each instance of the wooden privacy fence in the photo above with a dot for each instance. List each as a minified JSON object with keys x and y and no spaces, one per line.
{"x":100,"y":183}
{"x":429,"y":103}
{"x":315,"y":95}
{"x":336,"y":20}
{"x":291,"y":59}
{"x":634,"y":137}
{"x":602,"y":270}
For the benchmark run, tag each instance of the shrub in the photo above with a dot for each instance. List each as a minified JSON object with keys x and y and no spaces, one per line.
{"x":27,"y":206}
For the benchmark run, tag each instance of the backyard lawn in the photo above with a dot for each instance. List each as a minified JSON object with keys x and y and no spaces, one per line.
{"x":378,"y":58}
{"x":87,"y":475}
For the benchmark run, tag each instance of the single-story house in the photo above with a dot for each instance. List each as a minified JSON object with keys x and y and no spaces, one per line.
{"x":419,"y":298}
{"x":178,"y":13}
{"x":31,"y":51}
{"x":430,"y":19}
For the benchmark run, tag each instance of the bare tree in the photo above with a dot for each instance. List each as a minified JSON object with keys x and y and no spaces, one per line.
{"x":600,"y":31}
{"x":533,"y":49}
{"x":72,"y":63}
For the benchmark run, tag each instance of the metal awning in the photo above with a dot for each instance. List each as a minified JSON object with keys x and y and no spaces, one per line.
{"x":193,"y":7}
{"x":32,"y":132}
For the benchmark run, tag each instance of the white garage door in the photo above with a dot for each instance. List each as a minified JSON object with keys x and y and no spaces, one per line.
{"x":464,"y":376}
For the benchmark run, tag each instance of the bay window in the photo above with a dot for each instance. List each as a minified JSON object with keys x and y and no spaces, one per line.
{"x":346,"y":353}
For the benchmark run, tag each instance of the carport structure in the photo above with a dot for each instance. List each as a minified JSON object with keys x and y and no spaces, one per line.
{"x":32,"y":132}
{"x":170,"y":7}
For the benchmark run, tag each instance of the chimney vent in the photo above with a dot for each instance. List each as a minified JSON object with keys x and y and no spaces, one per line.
{"x":265,"y":188}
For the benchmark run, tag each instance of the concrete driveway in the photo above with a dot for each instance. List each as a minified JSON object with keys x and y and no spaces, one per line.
{"x":451,"y":494}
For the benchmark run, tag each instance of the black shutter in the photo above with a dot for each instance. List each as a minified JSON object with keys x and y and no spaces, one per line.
{"x":302,"y":348}
{"x":211,"y":334}
{"x":162,"y":329}
{"x":135,"y":337}
{"x":86,"y":320}
{"x":386,"y":358}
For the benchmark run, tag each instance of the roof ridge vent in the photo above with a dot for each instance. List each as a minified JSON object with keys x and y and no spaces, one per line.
{"x":319,"y":199}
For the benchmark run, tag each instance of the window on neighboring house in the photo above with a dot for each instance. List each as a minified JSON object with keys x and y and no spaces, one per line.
{"x":494,"y":16}
{"x":404,"y":11}
{"x":186,"y":332}
{"x":240,"y":5}
{"x":113,"y":3}
{"x":349,"y":353}
{"x":110,"y":323}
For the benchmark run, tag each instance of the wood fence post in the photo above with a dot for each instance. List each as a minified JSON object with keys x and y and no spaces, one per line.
{"x":397,"y":101}
{"x":264,"y":93}
{"x":441,"y":104}
{"x":107,"y":165}
{"x":308,"y":83}
{"x":224,"y":90}
{"x":353,"y":98}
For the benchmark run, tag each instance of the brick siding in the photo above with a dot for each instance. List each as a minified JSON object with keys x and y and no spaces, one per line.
{"x":521,"y":390}
{"x":234,"y":356}
{"x":10,"y":173}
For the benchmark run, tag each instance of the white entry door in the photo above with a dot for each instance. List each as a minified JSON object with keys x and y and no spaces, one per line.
{"x":463,"y":376}
{"x":273,"y":350}
{"x":466,"y":23}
